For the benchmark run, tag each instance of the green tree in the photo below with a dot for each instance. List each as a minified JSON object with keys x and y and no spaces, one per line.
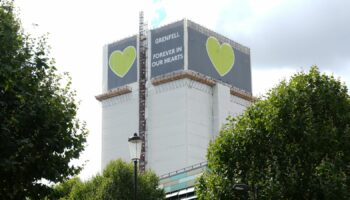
{"x":63,"y":190}
{"x":39,"y":131}
{"x":116,"y":182}
{"x":294,"y":144}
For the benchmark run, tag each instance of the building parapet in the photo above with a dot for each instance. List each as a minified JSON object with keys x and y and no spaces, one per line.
{"x":114,"y":92}
{"x":181,"y":75}
{"x":242,"y":94}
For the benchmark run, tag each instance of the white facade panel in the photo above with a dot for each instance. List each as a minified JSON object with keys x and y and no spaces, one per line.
{"x":166,"y":107}
{"x":120,"y":121}
{"x":199,"y":121}
{"x":183,"y":116}
{"x":221,"y":106}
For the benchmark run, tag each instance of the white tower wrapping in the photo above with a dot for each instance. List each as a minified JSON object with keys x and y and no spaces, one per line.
{"x":196,"y":78}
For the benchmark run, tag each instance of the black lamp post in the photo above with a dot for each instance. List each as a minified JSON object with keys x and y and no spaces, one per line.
{"x":135,"y":143}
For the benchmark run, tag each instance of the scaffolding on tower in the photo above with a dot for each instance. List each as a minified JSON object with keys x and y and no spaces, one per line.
{"x":142,"y":89}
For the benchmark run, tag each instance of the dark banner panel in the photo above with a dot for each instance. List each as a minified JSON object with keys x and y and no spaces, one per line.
{"x":167,"y":49}
{"x":122,"y":62}
{"x":219,"y":60}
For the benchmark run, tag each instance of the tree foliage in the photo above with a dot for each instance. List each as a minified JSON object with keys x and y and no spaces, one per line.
{"x":294,"y":144}
{"x":116,"y":182}
{"x":39,"y":132}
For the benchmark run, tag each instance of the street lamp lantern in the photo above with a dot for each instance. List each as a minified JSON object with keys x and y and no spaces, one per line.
{"x":135,"y":143}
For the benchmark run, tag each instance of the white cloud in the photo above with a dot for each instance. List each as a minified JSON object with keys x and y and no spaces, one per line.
{"x":265,"y":79}
{"x":203,"y":12}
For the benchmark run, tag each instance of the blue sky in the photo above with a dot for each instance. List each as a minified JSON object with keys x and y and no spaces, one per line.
{"x":159,"y":18}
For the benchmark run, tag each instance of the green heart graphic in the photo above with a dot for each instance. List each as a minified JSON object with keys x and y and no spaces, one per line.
{"x":221,"y":56}
{"x":121,"y":62}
